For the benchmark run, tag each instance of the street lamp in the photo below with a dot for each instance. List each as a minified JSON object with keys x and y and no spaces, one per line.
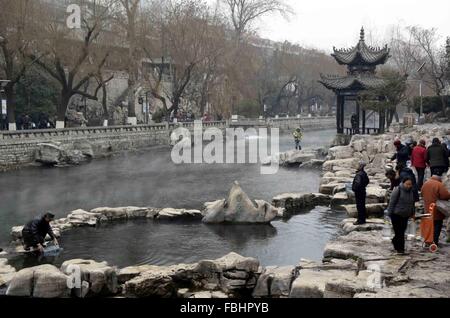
{"x":420,"y":89}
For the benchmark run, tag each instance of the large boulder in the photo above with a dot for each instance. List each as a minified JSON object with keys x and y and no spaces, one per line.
{"x":373,"y":210}
{"x":376,"y":194}
{"x":56,"y":153}
{"x":311,"y":283}
{"x":6,"y":272}
{"x":124,"y":213}
{"x":275,"y":282}
{"x":101,"y":278}
{"x":341,"y":164}
{"x":169,"y":214}
{"x":340,"y":152}
{"x":79,"y":218}
{"x":292,"y":157}
{"x":339,"y":200}
{"x":45,"y":281}
{"x":238,"y":208}
{"x":296,"y":202}
{"x":231,"y":274}
{"x":49,"y":153}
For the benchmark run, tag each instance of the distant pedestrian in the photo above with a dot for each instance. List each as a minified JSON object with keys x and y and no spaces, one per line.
{"x":360,"y":183}
{"x":355,"y":124}
{"x":402,"y":152}
{"x":419,"y":161}
{"x":401,"y":209}
{"x":298,"y":136}
{"x":437,"y":158}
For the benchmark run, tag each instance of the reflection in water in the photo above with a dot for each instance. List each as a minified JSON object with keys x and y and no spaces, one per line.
{"x":146,"y":242}
{"x":149,"y":178}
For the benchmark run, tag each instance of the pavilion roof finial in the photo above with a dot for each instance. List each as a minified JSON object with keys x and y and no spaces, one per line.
{"x":362,"y":35}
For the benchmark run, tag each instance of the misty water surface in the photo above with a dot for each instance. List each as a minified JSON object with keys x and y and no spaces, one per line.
{"x":149,"y":178}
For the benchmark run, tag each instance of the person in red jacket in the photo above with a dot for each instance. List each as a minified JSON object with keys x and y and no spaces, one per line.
{"x":419,"y":161}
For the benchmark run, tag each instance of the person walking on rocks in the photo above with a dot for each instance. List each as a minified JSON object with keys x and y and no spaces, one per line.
{"x":432,"y":191}
{"x":35,"y":231}
{"x":437,"y":158}
{"x":419,"y":161}
{"x":360,"y":183}
{"x":401,"y":209}
{"x":298,"y":136}
{"x":404,"y":172}
{"x":402,"y":154}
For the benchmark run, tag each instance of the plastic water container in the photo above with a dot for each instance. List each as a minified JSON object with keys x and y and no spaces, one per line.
{"x":387,"y":228}
{"x":411,"y":230}
{"x":52,"y":251}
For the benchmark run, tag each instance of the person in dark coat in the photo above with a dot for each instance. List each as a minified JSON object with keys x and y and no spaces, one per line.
{"x":401,"y":208}
{"x":35,"y":231}
{"x":355,"y":124}
{"x":403,"y":152}
{"x":393,"y":178}
{"x":406,"y":173}
{"x":359,"y":186}
{"x":437,"y":158}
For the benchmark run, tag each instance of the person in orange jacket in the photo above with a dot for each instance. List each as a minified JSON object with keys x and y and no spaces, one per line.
{"x":432,"y":191}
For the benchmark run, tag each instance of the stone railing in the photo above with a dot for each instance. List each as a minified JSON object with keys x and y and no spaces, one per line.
{"x":83,"y":131}
{"x":307,"y":123}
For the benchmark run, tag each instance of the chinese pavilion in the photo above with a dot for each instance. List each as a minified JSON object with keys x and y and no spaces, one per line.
{"x":361,"y":62}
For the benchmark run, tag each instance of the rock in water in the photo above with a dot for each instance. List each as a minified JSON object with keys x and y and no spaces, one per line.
{"x":238,"y":208}
{"x":48,"y":154}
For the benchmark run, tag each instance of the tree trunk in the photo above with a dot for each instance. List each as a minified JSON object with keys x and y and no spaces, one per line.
{"x":11,"y":106}
{"x":444,"y":106}
{"x":131,"y":97}
{"x":382,"y":121}
{"x":62,"y":107}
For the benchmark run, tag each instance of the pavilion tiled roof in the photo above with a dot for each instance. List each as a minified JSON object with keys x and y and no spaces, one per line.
{"x":336,"y":82}
{"x":361,"y":54}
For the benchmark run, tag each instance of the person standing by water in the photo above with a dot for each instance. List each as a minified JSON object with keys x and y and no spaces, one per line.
{"x":298,"y":136}
{"x":432,"y":191}
{"x":401,"y":209}
{"x":360,"y":183}
{"x":419,"y":161}
{"x":437,"y":158}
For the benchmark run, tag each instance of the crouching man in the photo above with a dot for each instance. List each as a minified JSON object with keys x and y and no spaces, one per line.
{"x":35,"y":231}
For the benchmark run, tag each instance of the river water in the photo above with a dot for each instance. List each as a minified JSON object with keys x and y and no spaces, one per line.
{"x":149,"y":178}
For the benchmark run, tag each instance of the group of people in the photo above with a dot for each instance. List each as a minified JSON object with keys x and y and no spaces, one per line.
{"x":27,"y":122}
{"x":409,"y":187}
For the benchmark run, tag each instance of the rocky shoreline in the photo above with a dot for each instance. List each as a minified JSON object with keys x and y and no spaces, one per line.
{"x":357,"y":264}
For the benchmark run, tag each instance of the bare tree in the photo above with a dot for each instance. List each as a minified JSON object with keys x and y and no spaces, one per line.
{"x":243,"y":13}
{"x":17,"y":30}
{"x":127,"y":17}
{"x":432,"y":53}
{"x":74,"y":57}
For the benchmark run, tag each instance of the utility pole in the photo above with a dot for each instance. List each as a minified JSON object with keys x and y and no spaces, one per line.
{"x":420,"y":89}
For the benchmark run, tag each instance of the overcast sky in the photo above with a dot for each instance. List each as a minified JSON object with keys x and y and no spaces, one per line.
{"x":323,"y":23}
